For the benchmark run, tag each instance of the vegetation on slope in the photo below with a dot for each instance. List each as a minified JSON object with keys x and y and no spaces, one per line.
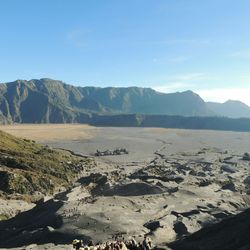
{"x":28,"y":168}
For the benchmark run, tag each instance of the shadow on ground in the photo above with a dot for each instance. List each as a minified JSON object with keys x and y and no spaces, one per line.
{"x":230,"y":234}
{"x":37,"y":225}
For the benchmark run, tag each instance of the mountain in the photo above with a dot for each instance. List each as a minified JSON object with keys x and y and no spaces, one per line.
{"x":51,"y":101}
{"x":134,"y":100}
{"x":39,"y":101}
{"x":233,"y":109}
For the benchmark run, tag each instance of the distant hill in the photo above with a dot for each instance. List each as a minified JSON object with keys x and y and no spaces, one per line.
{"x":233,"y":109}
{"x":46,"y":100}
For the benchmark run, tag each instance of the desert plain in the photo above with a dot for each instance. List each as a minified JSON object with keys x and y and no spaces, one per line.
{"x":171,"y":183}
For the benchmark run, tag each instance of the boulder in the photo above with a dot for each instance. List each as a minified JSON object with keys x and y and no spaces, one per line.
{"x":180,"y":228}
{"x":163,"y":235}
{"x":173,"y":190}
{"x":175,"y":178}
{"x":201,"y":174}
{"x":152,"y":225}
{"x":246,"y":157}
{"x":247,"y":181}
{"x":229,"y":186}
{"x":207,"y":168}
{"x":204,"y":183}
{"x":228,"y":169}
{"x":193,"y":172}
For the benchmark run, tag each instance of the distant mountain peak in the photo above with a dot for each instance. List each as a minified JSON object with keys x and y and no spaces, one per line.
{"x":237,"y":102}
{"x":230,"y":108}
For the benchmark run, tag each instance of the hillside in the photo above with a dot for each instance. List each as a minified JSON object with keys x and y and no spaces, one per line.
{"x":232,"y":233}
{"x":28,"y":169}
{"x":233,"y":109}
{"x":50,"y":101}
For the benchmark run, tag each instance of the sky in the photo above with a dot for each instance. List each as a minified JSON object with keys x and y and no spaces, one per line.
{"x":168,"y":45}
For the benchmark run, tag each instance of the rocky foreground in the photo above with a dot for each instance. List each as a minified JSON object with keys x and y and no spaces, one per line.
{"x":231,"y":233}
{"x":168,"y":195}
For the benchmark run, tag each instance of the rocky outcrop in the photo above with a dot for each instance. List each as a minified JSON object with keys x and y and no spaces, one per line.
{"x":229,"y":186}
{"x":246,"y":157}
{"x":228,"y":169}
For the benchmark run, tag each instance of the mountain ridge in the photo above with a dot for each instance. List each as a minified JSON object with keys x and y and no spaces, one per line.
{"x":53,"y":101}
{"x":47,"y":100}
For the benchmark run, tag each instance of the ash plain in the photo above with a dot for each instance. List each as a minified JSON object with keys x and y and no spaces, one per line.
{"x":172,"y":183}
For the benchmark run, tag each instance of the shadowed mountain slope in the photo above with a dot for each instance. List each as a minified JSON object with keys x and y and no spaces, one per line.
{"x":230,"y":234}
{"x":46,"y":100}
{"x":51,"y":101}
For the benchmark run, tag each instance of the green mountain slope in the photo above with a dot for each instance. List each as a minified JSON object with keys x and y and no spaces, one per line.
{"x":27,"y":167}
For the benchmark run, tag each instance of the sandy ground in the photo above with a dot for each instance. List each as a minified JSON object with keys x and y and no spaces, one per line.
{"x":172,"y":182}
{"x":48,"y":132}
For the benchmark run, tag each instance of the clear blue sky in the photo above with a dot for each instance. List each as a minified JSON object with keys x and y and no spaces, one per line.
{"x":169,"y":45}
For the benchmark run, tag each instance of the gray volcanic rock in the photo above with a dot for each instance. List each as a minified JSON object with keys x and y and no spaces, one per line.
{"x":246,"y":157}
{"x":152,"y":225}
{"x":228,"y":169}
{"x":97,"y":178}
{"x":229,"y":186}
{"x":186,"y":214}
{"x":175,"y":178}
{"x":205,"y":182}
{"x":247,"y":181}
{"x":197,"y":173}
{"x":134,"y":189}
{"x":180,"y":228}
